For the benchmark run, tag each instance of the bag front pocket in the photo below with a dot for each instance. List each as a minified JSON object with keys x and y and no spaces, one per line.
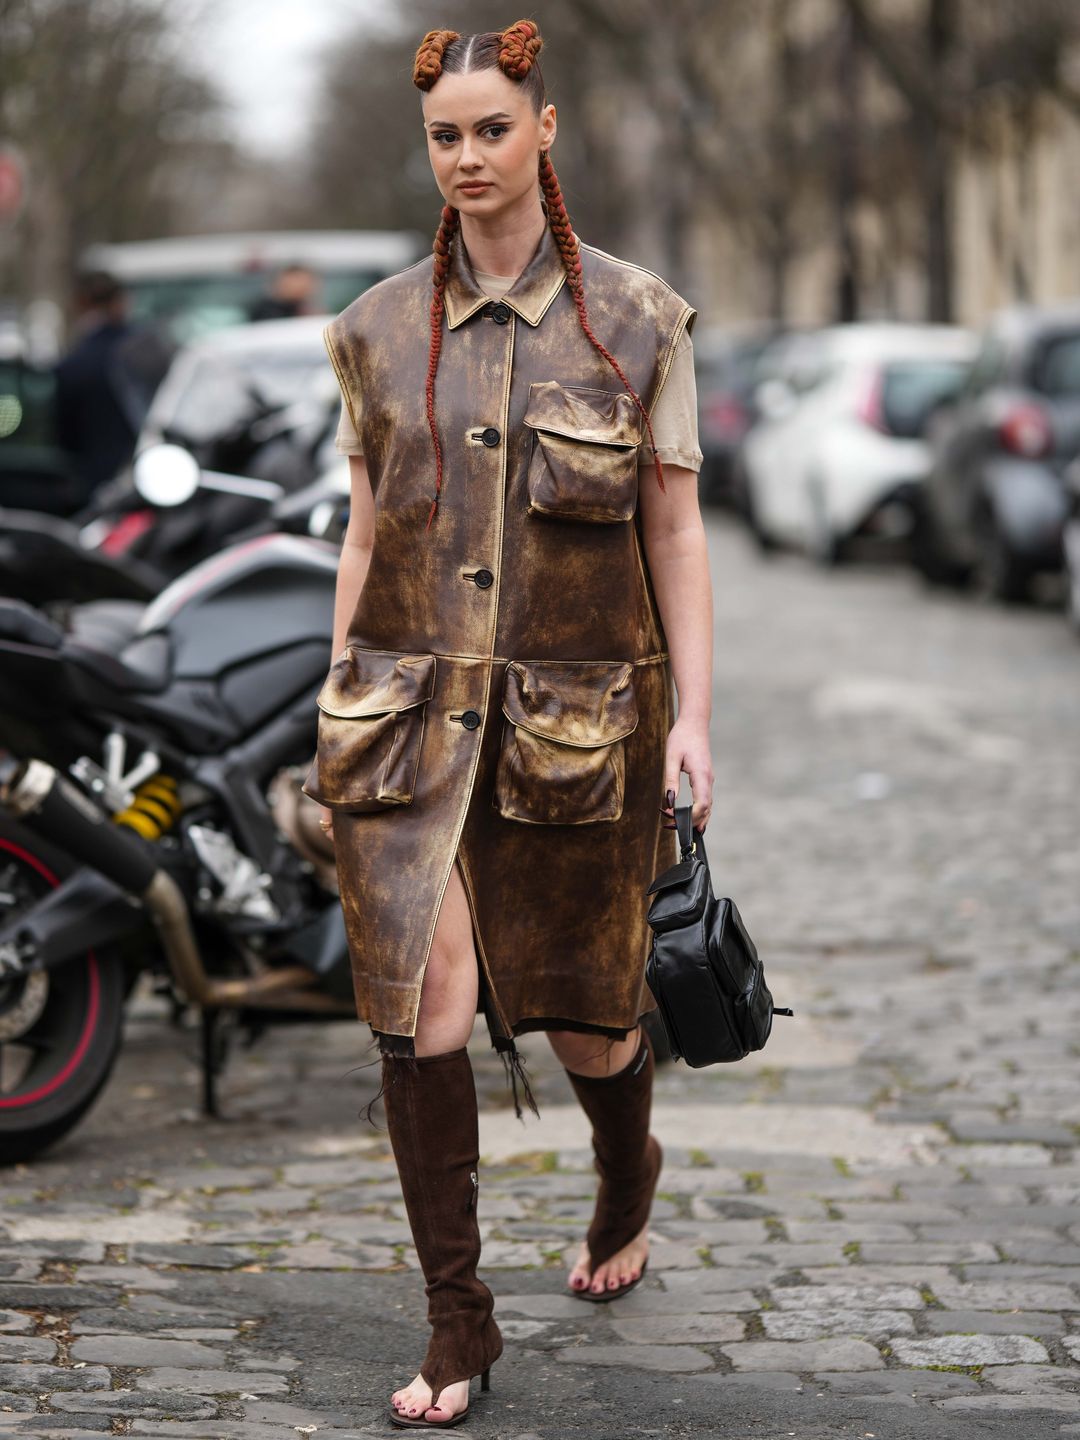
{"x":561,"y":756}
{"x":584,"y":461}
{"x":371,"y":722}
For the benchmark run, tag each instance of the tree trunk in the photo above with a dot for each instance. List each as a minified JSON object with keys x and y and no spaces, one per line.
{"x":845,"y":171}
{"x":935,"y":160}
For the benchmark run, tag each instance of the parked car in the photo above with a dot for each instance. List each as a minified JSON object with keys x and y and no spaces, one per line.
{"x":994,"y":502}
{"x":34,"y":472}
{"x":1071,"y":541}
{"x":214,"y":382}
{"x":838,"y":451}
{"x":726,"y":366}
{"x":196,"y":283}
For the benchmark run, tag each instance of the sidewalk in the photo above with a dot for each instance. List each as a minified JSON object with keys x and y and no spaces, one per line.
{"x":870,"y":1229}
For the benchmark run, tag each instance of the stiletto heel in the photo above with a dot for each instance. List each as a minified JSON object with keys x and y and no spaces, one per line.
{"x":485,"y":1379}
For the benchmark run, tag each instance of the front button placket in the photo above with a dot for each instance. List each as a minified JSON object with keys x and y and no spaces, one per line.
{"x":501,"y":337}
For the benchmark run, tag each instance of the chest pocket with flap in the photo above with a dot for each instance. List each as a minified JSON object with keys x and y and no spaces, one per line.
{"x":561,"y":757}
{"x":371,"y":722}
{"x":584,"y":459}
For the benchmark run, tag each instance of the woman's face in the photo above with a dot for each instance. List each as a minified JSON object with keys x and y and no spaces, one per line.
{"x":480,"y":127}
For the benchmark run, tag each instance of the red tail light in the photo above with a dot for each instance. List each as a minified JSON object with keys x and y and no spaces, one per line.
{"x":1025,"y":430}
{"x":725,"y":416}
{"x":870,"y":407}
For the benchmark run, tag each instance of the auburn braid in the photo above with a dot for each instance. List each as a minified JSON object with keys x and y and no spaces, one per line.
{"x":448,"y":223}
{"x":519,"y":46}
{"x":427,"y":65}
{"x":559,"y":223}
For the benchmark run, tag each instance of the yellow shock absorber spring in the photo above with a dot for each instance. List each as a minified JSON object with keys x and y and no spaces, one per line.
{"x":154,"y":809}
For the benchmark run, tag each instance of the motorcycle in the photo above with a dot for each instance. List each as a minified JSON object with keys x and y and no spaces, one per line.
{"x":151,"y":817}
{"x":272,"y":470}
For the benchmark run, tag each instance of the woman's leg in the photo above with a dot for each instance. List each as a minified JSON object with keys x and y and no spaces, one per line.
{"x":613,"y":1082}
{"x":431,"y":1114}
{"x":450,"y":990}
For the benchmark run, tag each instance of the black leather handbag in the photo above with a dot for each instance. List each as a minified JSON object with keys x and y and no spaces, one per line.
{"x":703,"y":968}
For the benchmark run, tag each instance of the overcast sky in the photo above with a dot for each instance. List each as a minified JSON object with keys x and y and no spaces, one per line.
{"x":262,"y":54}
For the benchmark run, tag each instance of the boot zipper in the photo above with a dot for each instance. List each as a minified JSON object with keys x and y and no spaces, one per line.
{"x":472,"y":1192}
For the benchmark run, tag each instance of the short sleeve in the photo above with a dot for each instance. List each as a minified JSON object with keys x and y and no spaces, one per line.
{"x":346,"y":441}
{"x":674,"y":416}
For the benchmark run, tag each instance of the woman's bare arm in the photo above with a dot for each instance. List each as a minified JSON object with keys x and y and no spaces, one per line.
{"x":677,"y":556}
{"x":355,"y":550}
{"x":352,"y":567}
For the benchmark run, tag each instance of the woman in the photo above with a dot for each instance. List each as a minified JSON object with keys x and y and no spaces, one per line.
{"x":496,"y":733}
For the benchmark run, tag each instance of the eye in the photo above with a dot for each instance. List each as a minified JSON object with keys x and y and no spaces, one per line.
{"x":438,"y":135}
{"x":497,"y":126}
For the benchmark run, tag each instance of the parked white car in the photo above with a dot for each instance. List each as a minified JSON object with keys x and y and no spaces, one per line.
{"x":838,"y":450}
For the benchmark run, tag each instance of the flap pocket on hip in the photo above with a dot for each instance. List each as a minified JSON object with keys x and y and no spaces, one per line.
{"x":584,"y":460}
{"x":371,"y":722}
{"x":561,"y":756}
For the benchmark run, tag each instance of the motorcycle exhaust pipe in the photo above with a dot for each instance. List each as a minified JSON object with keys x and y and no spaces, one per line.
{"x":47,"y":803}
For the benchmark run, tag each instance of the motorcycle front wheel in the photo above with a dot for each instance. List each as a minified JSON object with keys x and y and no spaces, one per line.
{"x":60,"y":1030}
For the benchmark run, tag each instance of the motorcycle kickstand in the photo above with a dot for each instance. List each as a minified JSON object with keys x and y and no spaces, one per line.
{"x":213,"y":1054}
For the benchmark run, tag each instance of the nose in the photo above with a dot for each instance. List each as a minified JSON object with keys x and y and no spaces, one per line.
{"x":470,"y":159}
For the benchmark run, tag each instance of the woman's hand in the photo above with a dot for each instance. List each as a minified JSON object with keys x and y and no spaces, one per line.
{"x":688,"y":749}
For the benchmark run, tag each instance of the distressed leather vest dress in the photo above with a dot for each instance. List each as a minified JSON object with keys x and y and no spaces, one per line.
{"x":504,"y":694}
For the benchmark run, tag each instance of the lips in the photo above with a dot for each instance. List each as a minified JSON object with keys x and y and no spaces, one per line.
{"x":476,"y":186}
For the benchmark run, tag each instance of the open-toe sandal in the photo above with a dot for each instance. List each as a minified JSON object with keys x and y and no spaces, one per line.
{"x":588,"y":1294}
{"x":417,"y":1422}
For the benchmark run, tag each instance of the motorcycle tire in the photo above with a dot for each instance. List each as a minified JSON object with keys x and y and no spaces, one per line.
{"x":69,"y":1019}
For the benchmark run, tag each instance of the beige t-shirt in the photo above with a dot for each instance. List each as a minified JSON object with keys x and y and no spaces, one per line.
{"x":674,"y":416}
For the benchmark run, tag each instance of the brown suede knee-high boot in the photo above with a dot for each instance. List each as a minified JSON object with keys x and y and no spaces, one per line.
{"x":627,"y":1157}
{"x":431,"y":1116}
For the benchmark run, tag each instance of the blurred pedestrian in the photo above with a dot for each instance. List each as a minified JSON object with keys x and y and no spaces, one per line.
{"x":104,"y":383}
{"x":519,"y":587}
{"x":294,"y":290}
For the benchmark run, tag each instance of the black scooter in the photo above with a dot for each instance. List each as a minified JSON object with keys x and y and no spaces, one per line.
{"x":151,"y":818}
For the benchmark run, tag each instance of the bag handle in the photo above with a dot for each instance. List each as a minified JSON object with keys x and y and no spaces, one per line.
{"x":684,"y":828}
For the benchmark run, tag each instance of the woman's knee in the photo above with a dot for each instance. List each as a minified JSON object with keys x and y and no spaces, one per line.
{"x":590,"y":1053}
{"x":452,"y":947}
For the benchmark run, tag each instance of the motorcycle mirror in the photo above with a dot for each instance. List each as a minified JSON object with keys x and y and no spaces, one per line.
{"x":166,"y":475}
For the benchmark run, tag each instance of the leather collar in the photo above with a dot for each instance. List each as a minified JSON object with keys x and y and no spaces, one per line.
{"x":529,"y":296}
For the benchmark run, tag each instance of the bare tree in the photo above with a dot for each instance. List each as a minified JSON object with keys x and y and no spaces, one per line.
{"x":114,"y":125}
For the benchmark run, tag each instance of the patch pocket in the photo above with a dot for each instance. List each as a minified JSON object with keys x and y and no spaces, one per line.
{"x":561,"y":756}
{"x":584,"y":460}
{"x":371,"y":722}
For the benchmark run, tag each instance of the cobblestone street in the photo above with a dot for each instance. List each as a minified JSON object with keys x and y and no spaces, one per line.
{"x":870,"y":1229}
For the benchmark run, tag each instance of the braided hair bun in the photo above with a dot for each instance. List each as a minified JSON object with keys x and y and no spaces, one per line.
{"x":427,"y":66}
{"x":520,"y":44}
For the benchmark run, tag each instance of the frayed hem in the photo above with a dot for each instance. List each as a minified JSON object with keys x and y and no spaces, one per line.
{"x":398,"y":1048}
{"x":514,"y":1065}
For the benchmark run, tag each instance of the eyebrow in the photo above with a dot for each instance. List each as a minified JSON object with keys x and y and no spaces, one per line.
{"x":450,"y":125}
